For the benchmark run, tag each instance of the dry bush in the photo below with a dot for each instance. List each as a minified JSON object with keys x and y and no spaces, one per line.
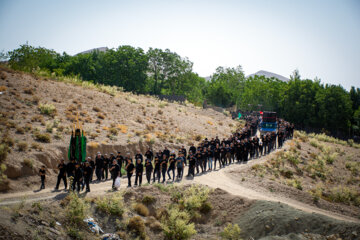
{"x":47,"y":109}
{"x":6,"y":139}
{"x":160,"y":112}
{"x":220,"y":123}
{"x":231,"y":125}
{"x":88,"y":120}
{"x":42,"y":137}
{"x":71,"y":108}
{"x":197,"y":137}
{"x":36,"y":146}
{"x":98,"y":121}
{"x":139,"y":120}
{"x":113,"y":131}
{"x":3,"y":77}
{"x":93,"y":135}
{"x":2,"y":88}
{"x":22,"y":146}
{"x":100,"y":115}
{"x":20,"y":130}
{"x":136,"y":224}
{"x":210,"y":122}
{"x":29,"y":91}
{"x":28,"y":162}
{"x":93,"y":145}
{"x":150,"y":127}
{"x":141,"y":209}
{"x":35,"y":100}
{"x":28,"y":127}
{"x":122,"y":128}
{"x":96,"y":109}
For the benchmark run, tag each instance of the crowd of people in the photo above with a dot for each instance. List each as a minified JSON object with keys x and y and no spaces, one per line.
{"x":208,"y":155}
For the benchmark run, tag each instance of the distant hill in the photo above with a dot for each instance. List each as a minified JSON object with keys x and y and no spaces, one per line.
{"x":100,"y":49}
{"x":269,"y":75}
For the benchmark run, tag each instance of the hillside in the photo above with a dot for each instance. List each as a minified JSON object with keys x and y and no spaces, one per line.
{"x":37,"y":117}
{"x":269,"y":75}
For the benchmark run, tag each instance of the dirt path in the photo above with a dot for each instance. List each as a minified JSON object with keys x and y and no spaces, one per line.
{"x":215,"y":179}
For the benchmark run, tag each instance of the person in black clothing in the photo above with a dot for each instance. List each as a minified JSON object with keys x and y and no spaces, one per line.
{"x":163,"y":166}
{"x":42,"y":173}
{"x":222,"y":155}
{"x":70,"y":168}
{"x":139,"y":156}
{"x":105,"y":168}
{"x":61,"y":175}
{"x":114,"y":171}
{"x":204,"y":159}
{"x":120,"y":161}
{"x":180,"y":165}
{"x":87,"y":175}
{"x":166,"y":152}
{"x":130,"y":170}
{"x":92,"y":165}
{"x":99,"y":163}
{"x":148,"y":169}
{"x":171,"y":166}
{"x":192,"y":149}
{"x":198,"y":163}
{"x":157,"y":169}
{"x":149,"y":154}
{"x":78,"y":177}
{"x":139,"y":172}
{"x":217,"y":156}
{"x":192,"y":163}
{"x":183,"y":151}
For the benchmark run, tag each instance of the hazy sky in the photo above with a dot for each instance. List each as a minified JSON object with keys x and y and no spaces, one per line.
{"x":321,"y":38}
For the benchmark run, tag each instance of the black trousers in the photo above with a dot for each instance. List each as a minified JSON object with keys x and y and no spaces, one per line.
{"x":129,"y":178}
{"x":63,"y":177}
{"x":173,"y":171}
{"x":204,"y":162}
{"x":76,"y":183}
{"x":191,"y":170}
{"x":148,"y":176}
{"x":163,"y":171}
{"x":42,"y":182}
{"x":138,"y":177}
{"x":98,"y":174}
{"x":217,"y":159}
{"x":180,"y":171}
{"x":113,"y":178}
{"x":157,"y":174}
{"x":105,"y":173}
{"x":223,"y":159}
{"x":87,"y":183}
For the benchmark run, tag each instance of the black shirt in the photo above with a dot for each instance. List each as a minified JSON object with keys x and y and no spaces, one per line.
{"x":148,"y":166}
{"x":87,"y":171}
{"x":139,"y":168}
{"x":42,"y":173}
{"x":130,"y":167}
{"x":115,"y":170}
{"x":62,"y":169}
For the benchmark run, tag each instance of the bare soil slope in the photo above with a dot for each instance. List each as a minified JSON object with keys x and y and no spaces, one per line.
{"x":37,"y":117}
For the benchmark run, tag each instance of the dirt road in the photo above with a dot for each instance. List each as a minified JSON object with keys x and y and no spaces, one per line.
{"x":215,"y":179}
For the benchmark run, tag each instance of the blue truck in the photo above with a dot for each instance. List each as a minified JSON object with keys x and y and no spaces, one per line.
{"x":268,"y":122}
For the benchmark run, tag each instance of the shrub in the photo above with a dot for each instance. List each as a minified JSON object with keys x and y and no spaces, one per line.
{"x":20,"y":130}
{"x":231,"y":232}
{"x":43,"y":137}
{"x":113,"y":131}
{"x":122,"y":128}
{"x":100,"y":115}
{"x":197,"y":137}
{"x":36,"y":146}
{"x":28,"y":162}
{"x":345,"y":195}
{"x":96,"y":109}
{"x":141,"y":209}
{"x":147,"y":200}
{"x":112,"y":205}
{"x":29,"y":91}
{"x":136,"y":225}
{"x":22,"y":146}
{"x":160,"y":112}
{"x":76,"y":209}
{"x":3,"y":152}
{"x":28,"y":127}
{"x":177,"y":225}
{"x":74,"y":233}
{"x":47,"y":109}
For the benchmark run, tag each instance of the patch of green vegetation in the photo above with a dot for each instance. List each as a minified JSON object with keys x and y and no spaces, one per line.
{"x":112,"y":205}
{"x":75,"y":210}
{"x":47,"y":109}
{"x":231,"y":232}
{"x":177,"y":225}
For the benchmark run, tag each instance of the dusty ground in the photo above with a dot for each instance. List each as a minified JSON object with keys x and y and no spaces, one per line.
{"x":124,"y":122}
{"x":257,"y":219}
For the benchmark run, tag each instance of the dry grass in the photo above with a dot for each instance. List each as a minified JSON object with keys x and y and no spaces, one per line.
{"x":141,"y":209}
{"x":122,"y":128}
{"x":22,"y":146}
{"x":93,"y":145}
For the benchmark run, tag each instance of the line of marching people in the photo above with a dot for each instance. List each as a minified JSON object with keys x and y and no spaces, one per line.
{"x":240,"y":147}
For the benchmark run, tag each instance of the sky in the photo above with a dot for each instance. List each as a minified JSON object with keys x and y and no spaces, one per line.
{"x":320,"y":38}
